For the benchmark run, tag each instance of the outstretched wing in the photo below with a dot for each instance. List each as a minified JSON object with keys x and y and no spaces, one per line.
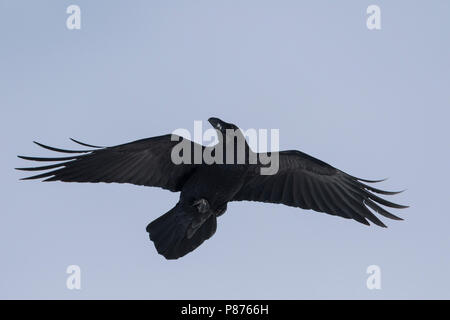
{"x":144,"y":162}
{"x":306,"y":182}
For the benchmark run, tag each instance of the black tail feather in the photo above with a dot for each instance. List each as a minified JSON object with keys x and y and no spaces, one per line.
{"x":170,"y":235}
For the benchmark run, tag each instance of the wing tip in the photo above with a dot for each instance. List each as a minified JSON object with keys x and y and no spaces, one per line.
{"x":60,"y":150}
{"x":85,"y":144}
{"x":27,"y":178}
{"x":39,"y":144}
{"x":371,"y":181}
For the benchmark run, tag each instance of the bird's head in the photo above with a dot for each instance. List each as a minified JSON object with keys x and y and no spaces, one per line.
{"x":222,"y":126}
{"x":230,"y":135}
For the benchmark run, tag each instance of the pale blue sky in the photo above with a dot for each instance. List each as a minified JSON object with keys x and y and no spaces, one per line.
{"x":372,"y":103}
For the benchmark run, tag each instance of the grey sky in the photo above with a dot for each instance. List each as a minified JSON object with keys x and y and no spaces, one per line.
{"x":372,"y":103}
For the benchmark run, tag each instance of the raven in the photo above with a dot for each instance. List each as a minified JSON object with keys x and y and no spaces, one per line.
{"x":301,"y":181}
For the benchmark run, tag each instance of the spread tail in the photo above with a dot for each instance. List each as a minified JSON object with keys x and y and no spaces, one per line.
{"x":181,"y":230}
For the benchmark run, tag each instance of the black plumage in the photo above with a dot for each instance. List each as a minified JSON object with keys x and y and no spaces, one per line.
{"x":301,"y":181}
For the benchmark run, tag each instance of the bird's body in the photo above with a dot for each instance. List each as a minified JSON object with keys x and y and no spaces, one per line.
{"x":217,"y":183}
{"x":206,"y":188}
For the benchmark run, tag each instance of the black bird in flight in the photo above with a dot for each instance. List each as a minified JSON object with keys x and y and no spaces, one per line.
{"x":301,"y":181}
